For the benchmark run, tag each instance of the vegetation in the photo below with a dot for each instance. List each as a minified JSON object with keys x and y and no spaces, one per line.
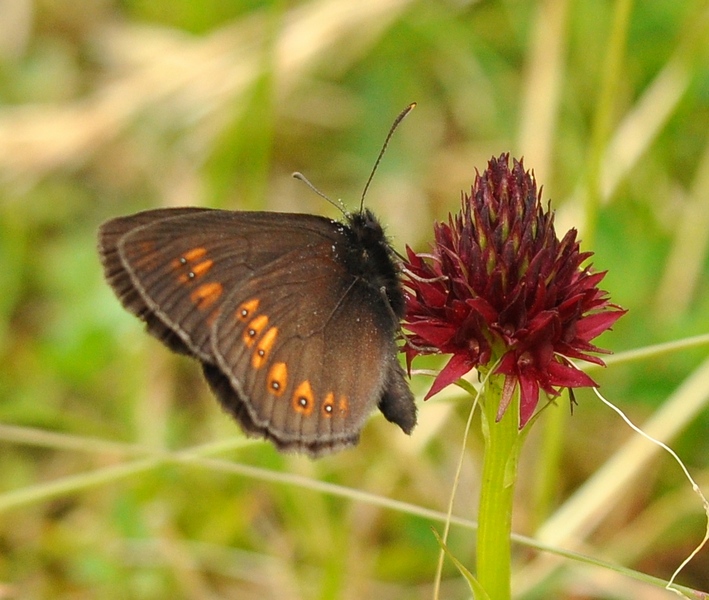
{"x":119,"y":475}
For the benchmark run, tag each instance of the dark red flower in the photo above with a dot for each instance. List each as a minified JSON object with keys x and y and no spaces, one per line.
{"x":499,"y":288}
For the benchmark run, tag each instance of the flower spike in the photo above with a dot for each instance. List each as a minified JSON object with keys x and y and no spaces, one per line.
{"x":499,"y":287}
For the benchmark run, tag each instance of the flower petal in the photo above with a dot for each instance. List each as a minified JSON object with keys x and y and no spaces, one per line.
{"x":457,"y":366}
{"x":434,"y":334}
{"x":593,"y":325}
{"x":568,"y":376}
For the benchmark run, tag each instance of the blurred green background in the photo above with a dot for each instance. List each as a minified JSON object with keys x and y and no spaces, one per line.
{"x":111,"y":107}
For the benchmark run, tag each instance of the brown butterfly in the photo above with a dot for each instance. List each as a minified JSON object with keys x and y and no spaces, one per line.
{"x":292,"y":316}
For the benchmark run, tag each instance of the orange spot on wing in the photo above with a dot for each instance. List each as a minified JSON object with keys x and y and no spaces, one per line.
{"x":343,"y":405}
{"x":254,"y":329}
{"x":303,"y":400}
{"x":263,"y":348}
{"x":202,"y":267}
{"x":192,"y":271}
{"x":189,"y":271}
{"x":246,"y":309}
{"x":206,"y":295}
{"x":194,"y":254}
{"x":277,"y":379}
{"x":328,"y":405}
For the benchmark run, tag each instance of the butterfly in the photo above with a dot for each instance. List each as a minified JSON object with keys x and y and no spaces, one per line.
{"x":293,"y":317}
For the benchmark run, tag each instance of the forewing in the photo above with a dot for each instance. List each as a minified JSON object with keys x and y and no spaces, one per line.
{"x":174,"y":267}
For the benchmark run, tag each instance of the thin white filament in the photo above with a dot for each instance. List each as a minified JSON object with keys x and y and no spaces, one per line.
{"x":693,"y":483}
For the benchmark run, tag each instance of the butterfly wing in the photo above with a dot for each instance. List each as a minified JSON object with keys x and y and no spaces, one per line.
{"x":294,"y":345}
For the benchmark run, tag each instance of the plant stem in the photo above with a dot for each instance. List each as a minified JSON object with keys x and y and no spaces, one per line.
{"x":502,"y":443}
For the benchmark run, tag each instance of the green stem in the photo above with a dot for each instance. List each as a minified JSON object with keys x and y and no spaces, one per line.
{"x":502,"y":443}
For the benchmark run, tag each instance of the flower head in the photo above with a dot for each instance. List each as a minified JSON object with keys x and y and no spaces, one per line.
{"x":499,"y":288}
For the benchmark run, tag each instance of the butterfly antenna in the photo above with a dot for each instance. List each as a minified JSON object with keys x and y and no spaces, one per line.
{"x":393,"y":127}
{"x":338,"y":205}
